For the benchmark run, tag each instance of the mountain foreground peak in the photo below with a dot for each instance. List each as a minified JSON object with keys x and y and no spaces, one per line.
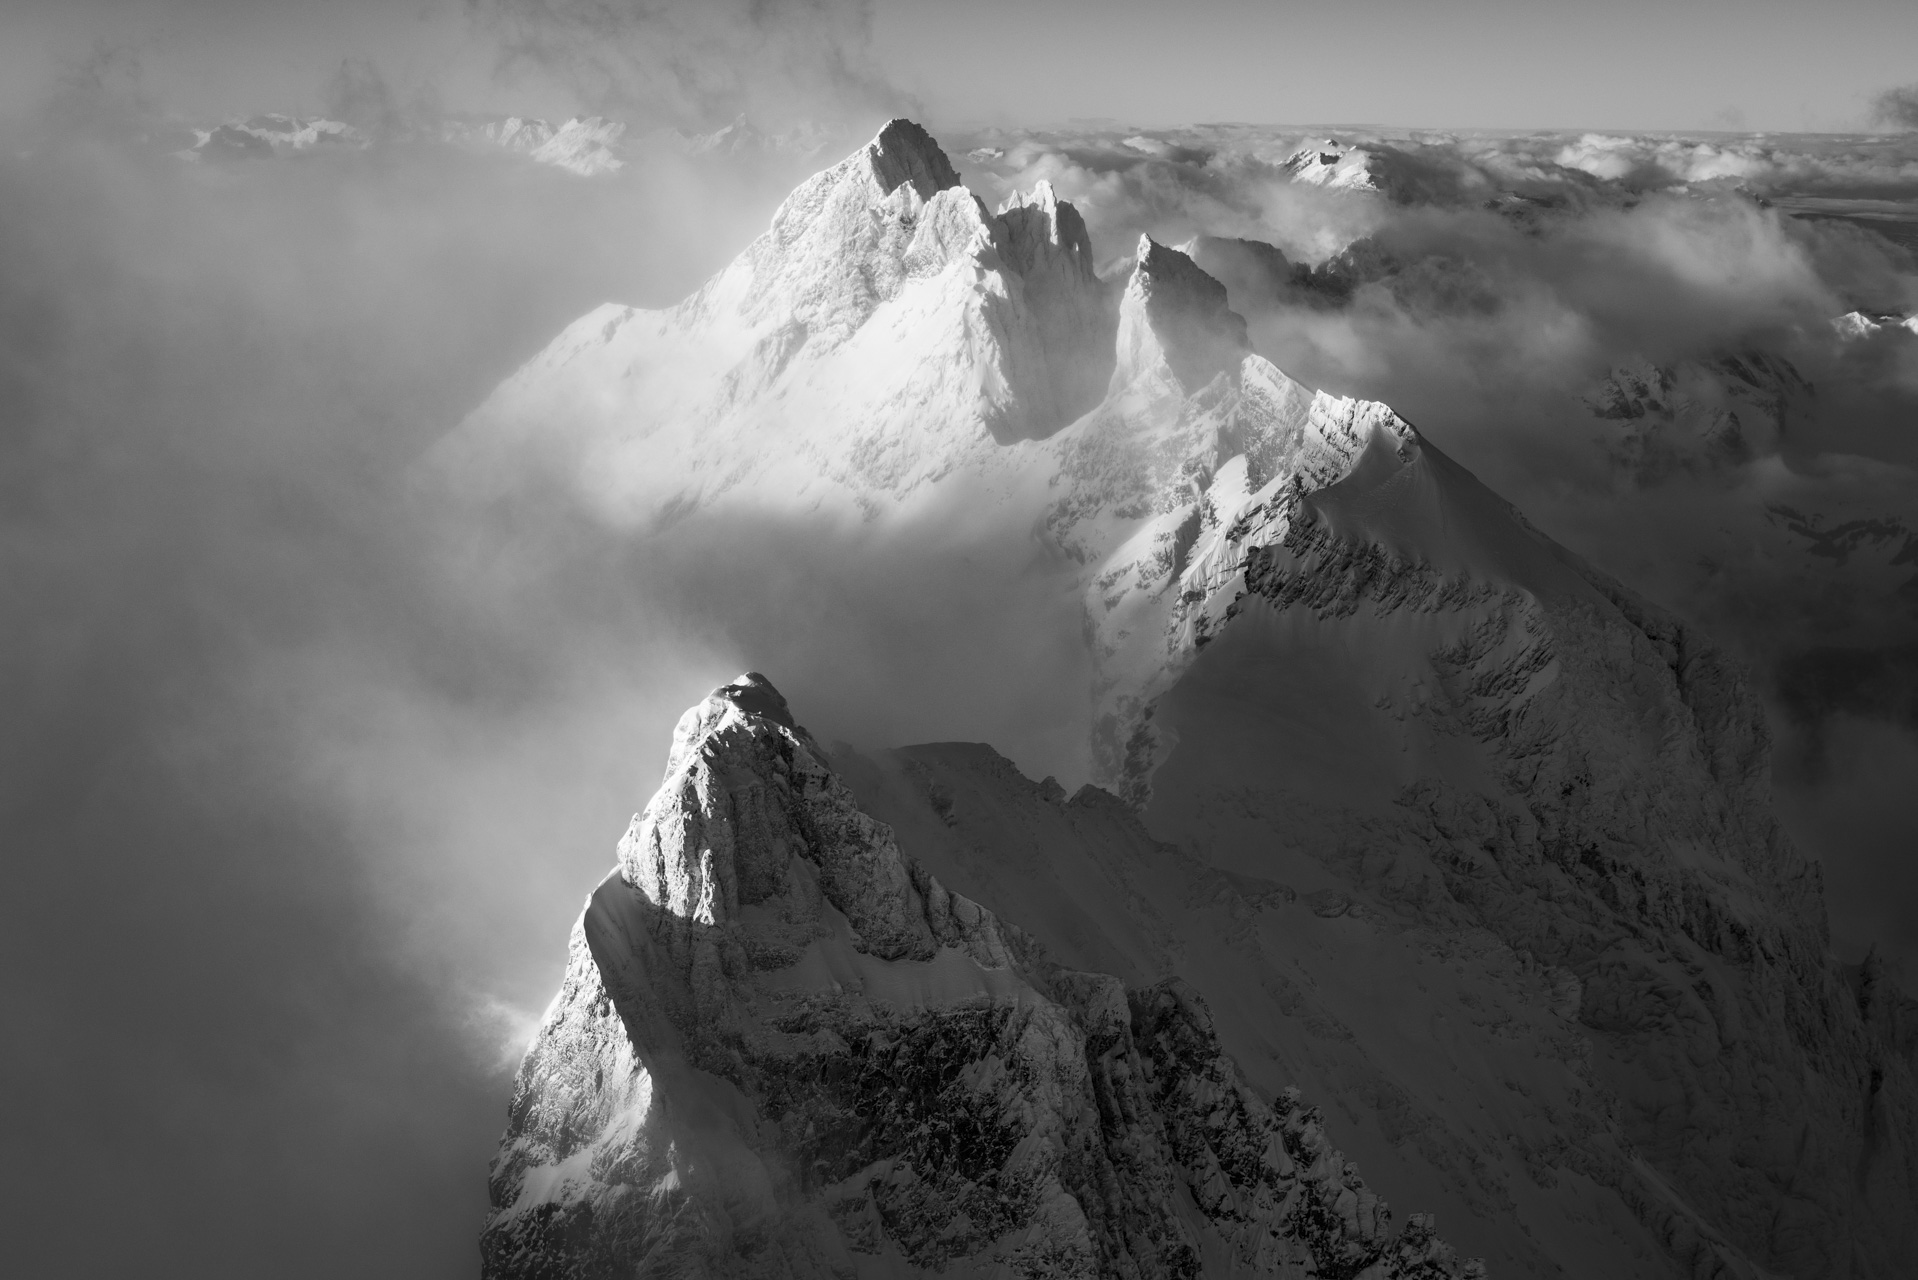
{"x":785,"y":1048}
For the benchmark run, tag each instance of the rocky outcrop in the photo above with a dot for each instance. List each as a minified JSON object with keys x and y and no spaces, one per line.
{"x":1044,"y":243}
{"x":784,"y":1049}
{"x":1697,"y":417}
{"x":1174,"y":323}
{"x":1258,"y":277}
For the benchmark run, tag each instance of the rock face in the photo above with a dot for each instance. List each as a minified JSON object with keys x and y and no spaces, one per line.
{"x":1406,"y":804}
{"x":1697,"y":416}
{"x":784,"y":1049}
{"x":1583,"y":781}
{"x":1259,"y":276}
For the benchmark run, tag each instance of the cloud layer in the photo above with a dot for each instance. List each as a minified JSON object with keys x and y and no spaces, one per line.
{"x":697,"y":65}
{"x":1896,"y":108}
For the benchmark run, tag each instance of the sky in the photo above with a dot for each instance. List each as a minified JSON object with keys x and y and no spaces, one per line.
{"x":1492,"y":64}
{"x":300,"y":787}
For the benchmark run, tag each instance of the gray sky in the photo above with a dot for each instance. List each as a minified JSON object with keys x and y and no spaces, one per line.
{"x":1629,"y":64}
{"x":1506,"y":64}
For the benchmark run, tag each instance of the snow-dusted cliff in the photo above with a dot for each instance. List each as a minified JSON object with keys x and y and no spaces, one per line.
{"x":1429,"y":816}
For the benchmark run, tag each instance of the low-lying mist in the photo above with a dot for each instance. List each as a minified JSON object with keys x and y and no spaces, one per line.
{"x":306,"y":776}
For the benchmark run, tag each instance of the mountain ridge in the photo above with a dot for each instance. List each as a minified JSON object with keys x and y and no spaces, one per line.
{"x":907,"y":1083}
{"x":1327,"y":663}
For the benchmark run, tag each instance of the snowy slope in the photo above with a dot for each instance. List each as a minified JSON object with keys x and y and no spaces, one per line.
{"x":886,"y":331}
{"x":1452,"y":1069}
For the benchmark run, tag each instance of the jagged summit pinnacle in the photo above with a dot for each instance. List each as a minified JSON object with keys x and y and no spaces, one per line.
{"x":1054,"y":220}
{"x":904,"y":152}
{"x":744,"y":700}
{"x":754,"y":694}
{"x":1174,"y":309}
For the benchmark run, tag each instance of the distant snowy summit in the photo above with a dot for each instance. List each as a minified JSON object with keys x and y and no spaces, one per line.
{"x":265,"y":136}
{"x":588,"y":146}
{"x":1854,"y":325}
{"x":1334,"y":165}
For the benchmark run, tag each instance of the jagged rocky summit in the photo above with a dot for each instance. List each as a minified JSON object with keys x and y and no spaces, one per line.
{"x":783,"y":1048}
{"x":1435,"y":821}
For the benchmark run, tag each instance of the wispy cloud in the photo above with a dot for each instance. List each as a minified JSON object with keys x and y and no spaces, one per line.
{"x":1896,"y":108}
{"x":694,"y":64}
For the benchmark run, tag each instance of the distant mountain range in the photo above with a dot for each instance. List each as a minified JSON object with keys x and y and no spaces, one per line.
{"x":590,"y":146}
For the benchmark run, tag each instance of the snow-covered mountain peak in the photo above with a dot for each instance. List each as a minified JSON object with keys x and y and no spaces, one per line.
{"x":1173,"y":319}
{"x":905,"y":152}
{"x":749,"y":697}
{"x":850,"y":238}
{"x":1038,"y":217}
{"x":1854,"y":325}
{"x":1332,"y":164}
{"x":885,"y":330}
{"x":708,"y":849}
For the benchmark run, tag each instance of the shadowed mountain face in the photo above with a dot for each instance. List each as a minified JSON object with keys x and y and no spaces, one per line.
{"x":1403,"y":805}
